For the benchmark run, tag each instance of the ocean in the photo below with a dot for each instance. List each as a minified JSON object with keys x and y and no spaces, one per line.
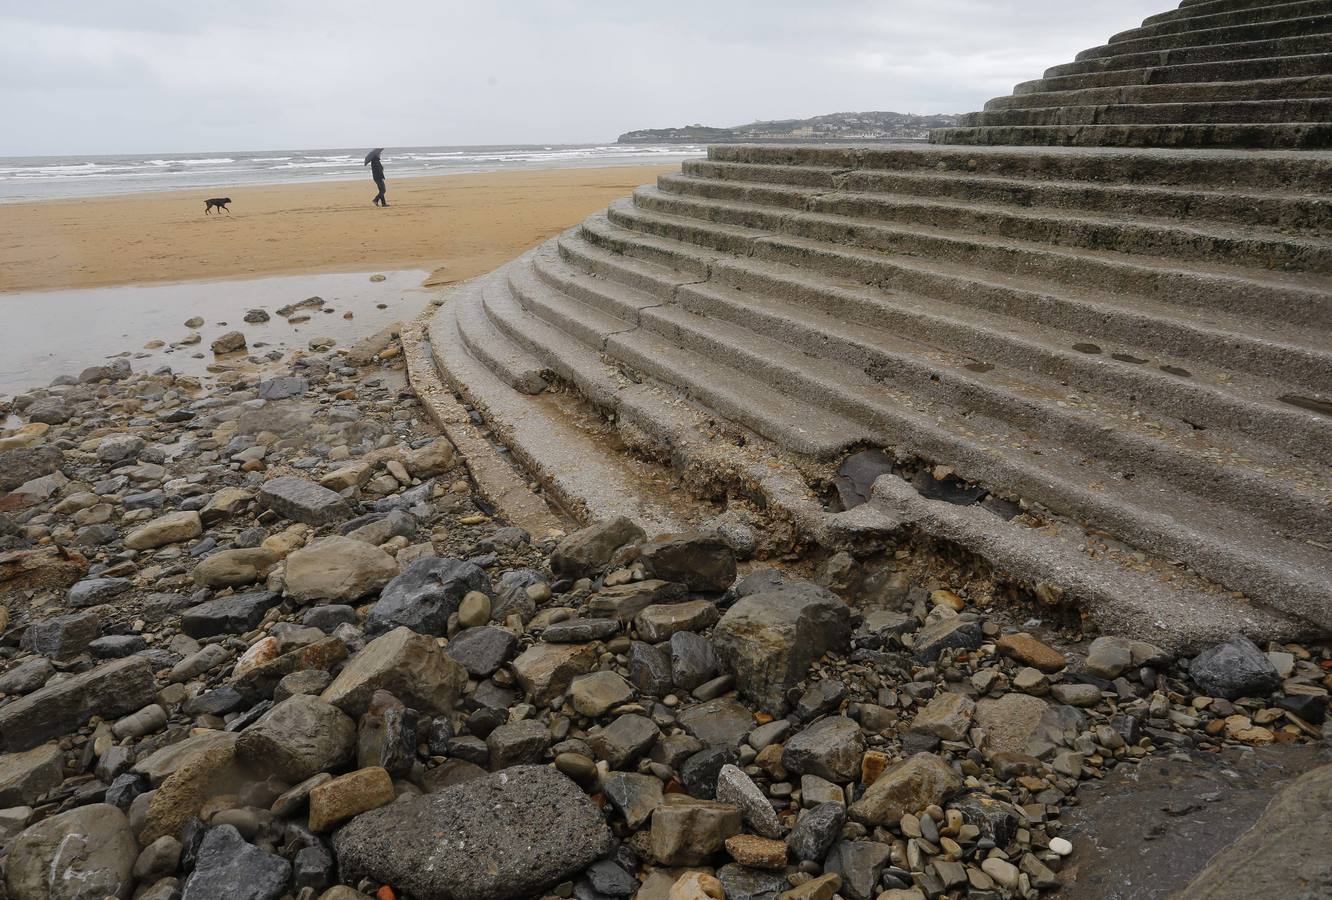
{"x":51,"y":177}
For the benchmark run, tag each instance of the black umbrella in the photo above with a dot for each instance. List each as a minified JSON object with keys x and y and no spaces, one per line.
{"x":373,"y":154}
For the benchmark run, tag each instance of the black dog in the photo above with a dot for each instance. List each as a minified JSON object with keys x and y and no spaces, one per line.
{"x":219,"y":202}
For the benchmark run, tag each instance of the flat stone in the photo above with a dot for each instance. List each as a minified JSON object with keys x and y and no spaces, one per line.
{"x":282,"y":387}
{"x":580,"y":631}
{"x":593,"y":694}
{"x":408,"y":665}
{"x":720,"y":722}
{"x":517,"y":744}
{"x":481,"y":651}
{"x":304,"y":501}
{"x":625,"y":601}
{"x":624,"y":740}
{"x":338,"y":569}
{"x":339,"y":799}
{"x":425,"y":594}
{"x":947,"y":716}
{"x":171,"y":528}
{"x":27,"y":676}
{"x":92,"y":591}
{"x":63,"y":637}
{"x":658,"y":622}
{"x":635,"y":796}
{"x":1027,"y":649}
{"x":1011,"y":722}
{"x":236,"y":614}
{"x":545,"y":671}
{"x":946,"y":634}
{"x":110,"y":690}
{"x":234,"y":568}
{"x":26,"y":776}
{"x":513,"y":834}
{"x":700,"y":561}
{"x":687,"y":831}
{"x":830,"y":748}
{"x":906,"y":787}
{"x":757,"y":852}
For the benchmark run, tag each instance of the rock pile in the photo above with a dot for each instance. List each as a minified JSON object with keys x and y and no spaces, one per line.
{"x":265,"y":641}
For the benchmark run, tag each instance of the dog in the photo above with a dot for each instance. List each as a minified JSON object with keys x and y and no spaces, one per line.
{"x":219,"y":202}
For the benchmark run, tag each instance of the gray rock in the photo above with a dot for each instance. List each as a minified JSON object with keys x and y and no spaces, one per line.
{"x":859,"y":863}
{"x":649,"y":669}
{"x":49,"y":411}
{"x":580,"y":631}
{"x":701,"y":562}
{"x":769,"y":639}
{"x":117,"y":646}
{"x":409,"y":666}
{"x":27,"y":676}
{"x":513,"y":834}
{"x":28,"y":775}
{"x":830,"y":748}
{"x":339,"y":569}
{"x":424,"y":596}
{"x":236,"y":614}
{"x":481,"y":651}
{"x":595,"y":693}
{"x":624,"y":740}
{"x":634,"y":795}
{"x":743,"y":883}
{"x":65,"y":636}
{"x":906,"y":787}
{"x":302,"y":501}
{"x":734,"y":786}
{"x":517,"y":743}
{"x":820,"y":698}
{"x":110,"y":690}
{"x":606,"y":878}
{"x":227,"y":866}
{"x":1234,"y":669}
{"x":297,"y":738}
{"x":693,"y":660}
{"x":118,"y":449}
{"x":720,"y":722}
{"x":86,"y":853}
{"x":328,"y":617}
{"x":699,"y":772}
{"x":590,"y":549}
{"x":282,"y":387}
{"x":946,"y":634}
{"x":815,"y":831}
{"x":23,"y":464}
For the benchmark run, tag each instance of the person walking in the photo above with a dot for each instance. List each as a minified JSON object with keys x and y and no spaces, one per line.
{"x":377,"y":173}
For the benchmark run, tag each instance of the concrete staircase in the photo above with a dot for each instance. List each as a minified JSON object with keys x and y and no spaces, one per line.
{"x":1213,"y":73}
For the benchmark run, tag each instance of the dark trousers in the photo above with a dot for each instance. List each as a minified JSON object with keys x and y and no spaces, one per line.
{"x":379,"y":198}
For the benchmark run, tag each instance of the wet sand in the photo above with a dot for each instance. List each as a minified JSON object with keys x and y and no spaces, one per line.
{"x":453,"y":226}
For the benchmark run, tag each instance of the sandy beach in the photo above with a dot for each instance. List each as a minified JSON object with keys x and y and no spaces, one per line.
{"x":454,"y":226}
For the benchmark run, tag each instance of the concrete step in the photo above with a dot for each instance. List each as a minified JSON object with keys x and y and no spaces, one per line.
{"x":731,"y":226}
{"x":1250,"y":246}
{"x":1220,"y":169}
{"x":1191,"y":8}
{"x":1294,"y":88}
{"x":1286,"y":136}
{"x":1211,"y":37}
{"x":1294,"y":45}
{"x":1205,"y":535}
{"x":515,"y":366}
{"x":1263,"y":68}
{"x":919,"y":376}
{"x":1207,"y":113}
{"x":1217,"y":401}
{"x":1225,"y":342}
{"x":1290,"y":212}
{"x":1241,"y":15}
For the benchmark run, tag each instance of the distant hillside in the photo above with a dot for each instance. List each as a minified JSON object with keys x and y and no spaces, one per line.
{"x":876,"y":126}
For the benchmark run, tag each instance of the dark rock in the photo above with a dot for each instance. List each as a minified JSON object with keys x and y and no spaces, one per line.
{"x":217,"y":702}
{"x":830,"y":748}
{"x":282,"y":387}
{"x":609,"y":879}
{"x":513,"y":834}
{"x":1234,"y":669}
{"x":92,"y":591}
{"x":229,"y":615}
{"x":859,"y":863}
{"x":62,"y":637}
{"x":313,"y":867}
{"x":624,"y":740}
{"x":424,"y":596}
{"x":302,"y":501}
{"x":699,"y":772}
{"x":117,"y":646}
{"x":588,"y":550}
{"x":820,"y":698}
{"x":649,"y":669}
{"x":482,"y":650}
{"x":946,"y":634}
{"x":743,"y":883}
{"x":110,"y":690}
{"x":227,"y":866}
{"x":634,"y":795}
{"x":327,"y":618}
{"x":720,"y":722}
{"x":27,"y":676}
{"x":517,"y":743}
{"x":701,"y":562}
{"x":693,"y":660}
{"x":23,"y":464}
{"x":387,"y":737}
{"x":815,"y":831}
{"x":580,"y":631}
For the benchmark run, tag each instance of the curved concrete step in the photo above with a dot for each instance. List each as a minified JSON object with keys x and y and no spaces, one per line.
{"x":1210,"y":37}
{"x":1219,"y":113}
{"x":917,"y":374}
{"x":515,"y":366}
{"x":1294,"y":45}
{"x":1190,"y":8}
{"x":1249,"y":246}
{"x":1206,"y":536}
{"x":1289,"y":212}
{"x":1309,"y":65}
{"x":1234,"y":408}
{"x":1297,"y":299}
{"x":1198,"y":20}
{"x":1286,"y":136}
{"x":1289,"y":87}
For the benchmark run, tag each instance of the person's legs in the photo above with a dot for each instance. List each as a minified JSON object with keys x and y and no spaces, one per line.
{"x":379,"y":198}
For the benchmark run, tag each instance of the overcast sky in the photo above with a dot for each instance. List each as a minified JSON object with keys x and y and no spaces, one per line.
{"x":143,"y":76}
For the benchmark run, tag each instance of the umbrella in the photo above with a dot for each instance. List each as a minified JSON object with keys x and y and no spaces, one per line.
{"x":373,"y":154}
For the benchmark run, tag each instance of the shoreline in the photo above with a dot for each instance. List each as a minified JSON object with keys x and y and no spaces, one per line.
{"x":455,"y":226}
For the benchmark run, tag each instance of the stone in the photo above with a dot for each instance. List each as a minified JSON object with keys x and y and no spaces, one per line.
{"x":115,"y":646}
{"x":301,"y":500}
{"x":1082,"y":695}
{"x":592,"y":695}
{"x":234,"y":568}
{"x":87,"y":853}
{"x":947,"y":716}
{"x":693,"y":660}
{"x":830,"y":748}
{"x":281,"y":387}
{"x":171,"y":528}
{"x":735,"y":787}
{"x":166,"y":761}
{"x":433,"y":459}
{"x":63,"y":637}
{"x":110,"y":690}
{"x":223,"y":504}
{"x":425,"y":595}
{"x":906,"y":787}
{"x":473,"y":610}
{"x":700,"y":771}
{"x":820,"y":698}
{"x":859,"y":863}
{"x":825,"y":887}
{"x":297,"y":738}
{"x":700,"y":561}
{"x":815,"y":831}
{"x":236,"y":614}
{"x":946,"y":634}
{"x":1010,"y":722}
{"x":588,"y":550}
{"x":687,"y":831}
{"x":48,"y":411}
{"x":635,"y":796}
{"x":720,"y":722}
{"x":258,"y":673}
{"x":28,"y":775}
{"x":624,"y":740}
{"x":516,"y":744}
{"x":92,"y":591}
{"x":513,"y":834}
{"x":231,"y":342}
{"x":158,"y":860}
{"x":769,"y":639}
{"x":409,"y":666}
{"x":696,"y":886}
{"x":1028,"y":650}
{"x":338,"y":569}
{"x":545,"y":671}
{"x":580,"y":631}
{"x":1233,"y":669}
{"x":334,"y":802}
{"x":226,"y":866}
{"x":658,"y":622}
{"x":1109,"y":657}
{"x":328,"y":617}
{"x":27,"y":676}
{"x":649,"y":669}
{"x":625,"y":601}
{"x":24,"y":464}
{"x":120,"y":449}
{"x":481,"y":651}
{"x":757,"y":852}
{"x":1004,"y":873}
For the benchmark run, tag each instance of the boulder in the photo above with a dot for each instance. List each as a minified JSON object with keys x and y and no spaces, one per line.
{"x":300,"y":500}
{"x":769,"y":639}
{"x":171,"y":528}
{"x":425,"y":594}
{"x":338,"y":569}
{"x":512,"y":834}
{"x":28,"y":775}
{"x":830,"y":748}
{"x":1234,"y":669}
{"x":226,"y":866}
{"x":87,"y":853}
{"x":110,"y":690}
{"x":408,"y":665}
{"x":545,"y":671}
{"x":297,"y":738}
{"x":701,"y":562}
{"x":906,"y":787}
{"x":433,"y":459}
{"x":590,"y":549}
{"x":62,"y":637}
{"x":48,"y":411}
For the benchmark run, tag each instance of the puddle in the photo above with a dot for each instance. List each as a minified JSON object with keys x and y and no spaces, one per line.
{"x":50,"y":333}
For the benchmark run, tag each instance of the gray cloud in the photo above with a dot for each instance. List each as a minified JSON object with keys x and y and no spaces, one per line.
{"x":86,"y":76}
